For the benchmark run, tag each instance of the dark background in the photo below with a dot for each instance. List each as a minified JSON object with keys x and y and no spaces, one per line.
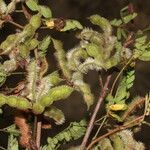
{"x":74,"y":108}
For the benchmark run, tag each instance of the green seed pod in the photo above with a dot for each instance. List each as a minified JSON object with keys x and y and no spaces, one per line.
{"x":60,"y":92}
{"x":45,"y":101}
{"x":102,"y":22}
{"x":12,"y":101}
{"x":29,"y":29}
{"x":3,"y":7}
{"x":33,"y":44}
{"x":87,"y":95}
{"x":60,"y":55}
{"x":3,"y":76}
{"x":54,"y":78}
{"x":92,"y":36}
{"x":23,"y":104}
{"x":75,"y":55}
{"x":43,"y":45}
{"x":3,"y":99}
{"x":35,"y":21}
{"x":7,"y":44}
{"x":54,"y":94}
{"x":24,"y":51}
{"x":10,"y":65}
{"x":38,"y":108}
{"x":83,"y":87}
{"x":55,"y":113}
{"x":117,"y":142}
{"x":94,"y":50}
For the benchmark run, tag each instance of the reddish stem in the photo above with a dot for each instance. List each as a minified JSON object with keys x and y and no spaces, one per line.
{"x":92,"y":120}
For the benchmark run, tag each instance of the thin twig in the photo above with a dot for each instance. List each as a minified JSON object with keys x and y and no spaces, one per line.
{"x":18,"y":11}
{"x":16,"y":73}
{"x":16,"y":24}
{"x":92,"y":120}
{"x":116,"y":79}
{"x":35,"y":128}
{"x":146,"y":123}
{"x":101,"y":82}
{"x":38,"y":134}
{"x":26,"y":13}
{"x":2,"y":148}
{"x":125,"y":126}
{"x":98,"y":120}
{"x":101,"y":125}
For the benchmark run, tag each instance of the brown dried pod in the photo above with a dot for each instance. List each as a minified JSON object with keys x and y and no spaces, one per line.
{"x":59,"y":23}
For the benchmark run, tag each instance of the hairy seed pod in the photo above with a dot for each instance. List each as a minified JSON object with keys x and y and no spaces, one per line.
{"x":23,"y":104}
{"x":117,"y":142}
{"x":3,"y":7}
{"x":45,"y":101}
{"x":75,"y":55}
{"x":10,"y":65}
{"x":3,"y":75}
{"x":24,"y":51}
{"x":18,"y":102}
{"x":56,"y":114}
{"x":25,"y":137}
{"x":35,"y":21}
{"x":54,"y":78}
{"x":12,"y":101}
{"x":38,"y":108}
{"x":60,"y":55}
{"x":54,"y":94}
{"x":83,"y":87}
{"x":6,"y":45}
{"x":95,"y":50}
{"x":29,"y":29}
{"x":89,"y":35}
{"x":103,"y":23}
{"x":3,"y":99}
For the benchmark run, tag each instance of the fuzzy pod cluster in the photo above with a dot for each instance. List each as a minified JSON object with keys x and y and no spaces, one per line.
{"x":16,"y":39}
{"x":98,"y":46}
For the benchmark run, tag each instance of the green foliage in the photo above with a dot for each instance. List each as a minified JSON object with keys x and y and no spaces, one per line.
{"x":32,"y":4}
{"x":71,"y":24}
{"x":142,"y":48}
{"x":124,"y":86}
{"x":45,"y":11}
{"x":126,"y":16}
{"x":73,"y":132}
{"x":12,"y":143}
{"x":118,"y":102}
